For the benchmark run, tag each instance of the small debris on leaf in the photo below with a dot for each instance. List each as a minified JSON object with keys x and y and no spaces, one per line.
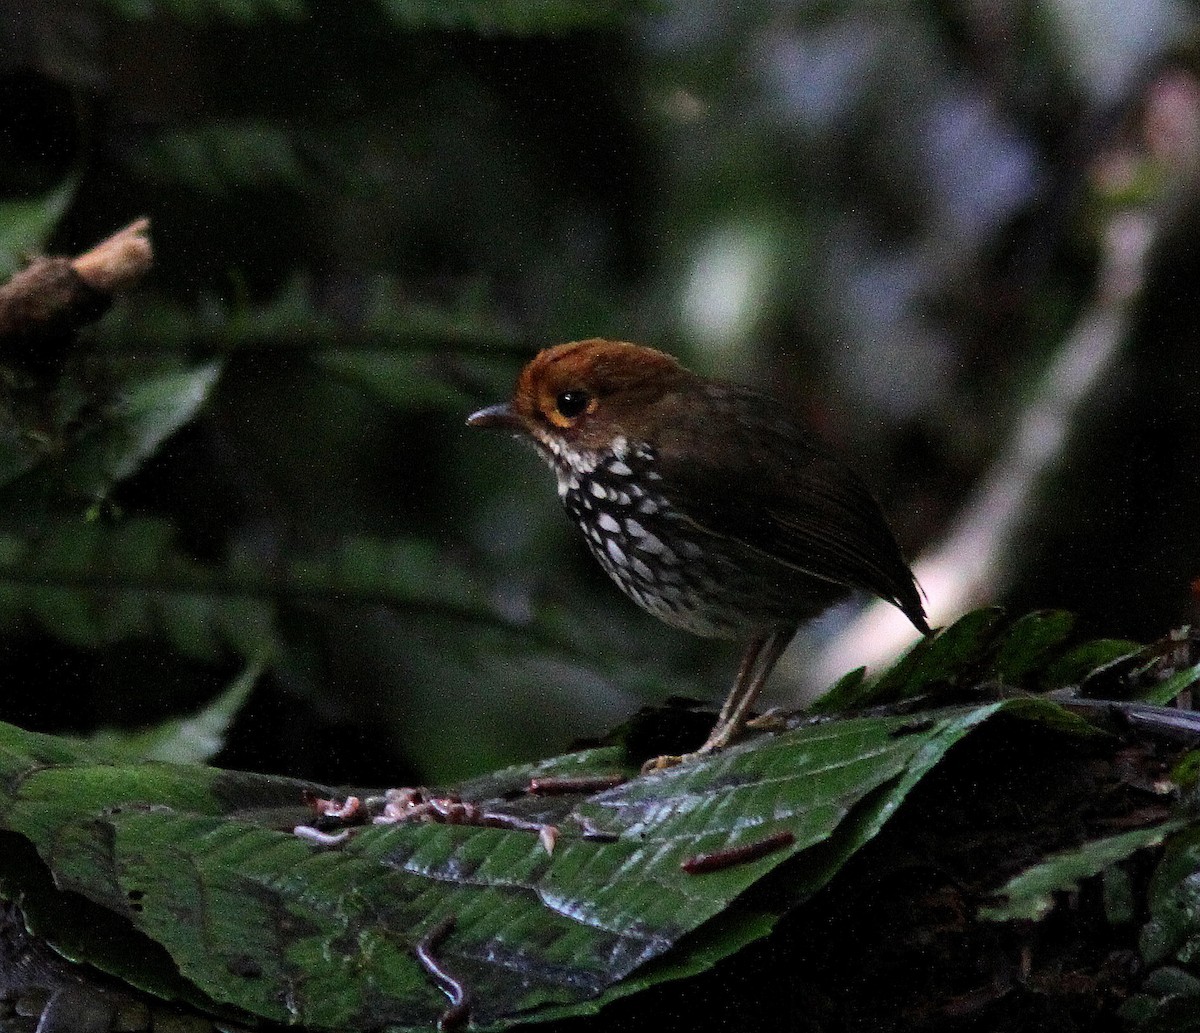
{"x":460,"y":1002}
{"x":346,"y":810}
{"x":315,"y":835}
{"x":774,"y":720}
{"x":338,"y":819}
{"x":701,"y":864}
{"x":562,"y":786}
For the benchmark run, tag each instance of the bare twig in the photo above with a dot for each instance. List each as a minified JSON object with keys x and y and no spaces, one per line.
{"x":701,"y":864}
{"x":969,"y":567}
{"x":45,"y":304}
{"x":549,"y":785}
{"x":119,"y":261}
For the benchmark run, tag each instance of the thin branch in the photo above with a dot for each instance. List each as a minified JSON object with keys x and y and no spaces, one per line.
{"x":44,"y":306}
{"x":971,"y":564}
{"x":119,"y":261}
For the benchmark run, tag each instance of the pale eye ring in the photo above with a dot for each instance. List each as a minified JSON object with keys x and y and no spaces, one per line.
{"x":572,"y":403}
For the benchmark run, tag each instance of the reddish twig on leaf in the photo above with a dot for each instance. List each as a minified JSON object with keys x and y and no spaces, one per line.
{"x":564,"y":785}
{"x":700,"y":864}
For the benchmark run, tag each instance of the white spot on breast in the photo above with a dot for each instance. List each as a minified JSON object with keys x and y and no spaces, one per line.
{"x":633,"y":528}
{"x":598,"y":489}
{"x":608,"y":523}
{"x":648,"y":505}
{"x":614,"y":550}
{"x":566,"y":481}
{"x":652,"y":544}
{"x":623,"y":499}
{"x":620,"y":446}
{"x":671,"y":594}
{"x":642,"y":571}
{"x":619,"y":469}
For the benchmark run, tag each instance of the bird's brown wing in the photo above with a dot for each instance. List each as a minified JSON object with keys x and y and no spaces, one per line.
{"x":760,"y":479}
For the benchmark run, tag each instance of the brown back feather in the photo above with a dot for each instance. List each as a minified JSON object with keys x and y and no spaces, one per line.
{"x":765,"y":481}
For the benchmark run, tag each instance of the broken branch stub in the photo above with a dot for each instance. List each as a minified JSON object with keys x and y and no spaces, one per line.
{"x":43,"y":307}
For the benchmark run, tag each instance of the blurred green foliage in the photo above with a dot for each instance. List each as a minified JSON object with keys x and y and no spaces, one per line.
{"x":366,"y":216}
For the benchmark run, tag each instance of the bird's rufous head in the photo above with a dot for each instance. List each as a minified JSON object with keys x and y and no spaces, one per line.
{"x":586,"y":393}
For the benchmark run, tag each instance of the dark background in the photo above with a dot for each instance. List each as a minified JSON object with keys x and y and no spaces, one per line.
{"x":896,"y":218}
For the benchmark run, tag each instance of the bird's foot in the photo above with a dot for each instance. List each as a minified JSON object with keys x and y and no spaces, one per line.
{"x":728,"y":729}
{"x":673,"y":760}
{"x":774,"y":720}
{"x":667,"y":760}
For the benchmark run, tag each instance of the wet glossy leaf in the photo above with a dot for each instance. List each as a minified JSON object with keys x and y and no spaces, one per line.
{"x":202,"y":862}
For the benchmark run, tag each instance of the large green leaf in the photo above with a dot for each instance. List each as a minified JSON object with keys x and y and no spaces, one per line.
{"x":202,"y":863}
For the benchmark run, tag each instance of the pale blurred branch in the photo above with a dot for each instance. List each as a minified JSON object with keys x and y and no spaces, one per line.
{"x":973,"y":562}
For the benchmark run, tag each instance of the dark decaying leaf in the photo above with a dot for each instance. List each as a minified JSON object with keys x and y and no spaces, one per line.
{"x":203,"y":863}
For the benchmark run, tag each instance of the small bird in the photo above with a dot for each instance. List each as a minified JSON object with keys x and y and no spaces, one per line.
{"x":707,"y":503}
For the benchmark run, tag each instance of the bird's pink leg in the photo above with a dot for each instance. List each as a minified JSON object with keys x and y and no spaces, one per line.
{"x":757,"y":663}
{"x":744,"y":676}
{"x":760,"y":659}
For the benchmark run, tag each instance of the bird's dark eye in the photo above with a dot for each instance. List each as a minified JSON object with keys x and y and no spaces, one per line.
{"x":571,"y":403}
